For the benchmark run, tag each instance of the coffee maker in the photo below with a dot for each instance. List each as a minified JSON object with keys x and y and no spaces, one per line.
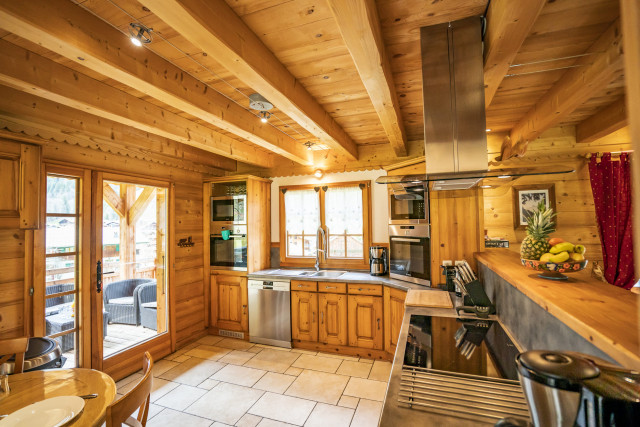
{"x":575,"y":389}
{"x":378,"y":261}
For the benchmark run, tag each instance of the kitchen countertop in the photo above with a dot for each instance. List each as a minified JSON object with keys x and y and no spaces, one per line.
{"x":350,"y":277}
{"x":603,"y":314}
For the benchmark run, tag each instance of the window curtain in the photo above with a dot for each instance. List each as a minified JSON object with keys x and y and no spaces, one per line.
{"x":611,"y":187}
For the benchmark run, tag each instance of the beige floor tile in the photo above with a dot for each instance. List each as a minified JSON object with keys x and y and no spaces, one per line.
{"x":354,"y":369}
{"x":226,"y":403}
{"x":181,"y":358}
{"x":210,"y":339}
{"x":339,"y":356}
{"x":255,"y":349}
{"x":272,"y":347}
{"x":293,"y":371}
{"x":161,"y":387}
{"x":127,"y":383}
{"x":317,"y":363}
{"x":380,"y":371}
{"x":369,"y":361}
{"x":303,"y":351}
{"x":366,"y":389}
{"x":367,"y":414}
{"x":193,"y":371}
{"x":153,"y":411}
{"x":273,"y":360}
{"x":266,"y":422}
{"x":274,"y":382}
{"x":283,"y":408}
{"x":237,"y":357}
{"x":180,"y":397}
{"x":217,"y":424}
{"x":318,"y":386}
{"x":328,"y":415}
{"x":170,"y":418}
{"x":208,"y":384}
{"x":349,"y":402}
{"x":240,"y":375}
{"x":162,"y":366}
{"x":234,"y":344}
{"x":208,"y":352}
{"x":248,"y":420}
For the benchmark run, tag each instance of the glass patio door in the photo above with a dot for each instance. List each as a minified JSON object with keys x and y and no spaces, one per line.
{"x":131,"y":218}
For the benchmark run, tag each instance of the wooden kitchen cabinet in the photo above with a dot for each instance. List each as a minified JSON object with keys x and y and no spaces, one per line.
{"x":20,"y":166}
{"x":333,"y":318}
{"x":304,"y":315}
{"x":393,"y":315}
{"x":229,"y":310}
{"x":365,"y":321}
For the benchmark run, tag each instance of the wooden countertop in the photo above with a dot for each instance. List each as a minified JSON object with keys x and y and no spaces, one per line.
{"x":606,"y":315}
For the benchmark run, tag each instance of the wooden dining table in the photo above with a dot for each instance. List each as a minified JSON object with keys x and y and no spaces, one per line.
{"x":34,"y":386}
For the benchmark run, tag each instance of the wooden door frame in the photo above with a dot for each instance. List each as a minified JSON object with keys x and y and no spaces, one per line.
{"x":128,"y":361}
{"x":39,"y":262}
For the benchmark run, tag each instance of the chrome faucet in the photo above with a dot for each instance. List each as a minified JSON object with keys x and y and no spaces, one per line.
{"x":321,"y":241}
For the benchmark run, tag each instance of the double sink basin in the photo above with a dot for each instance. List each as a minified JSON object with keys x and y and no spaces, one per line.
{"x":327,"y":274}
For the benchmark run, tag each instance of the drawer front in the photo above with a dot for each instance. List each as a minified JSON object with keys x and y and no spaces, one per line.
{"x":365,"y":289}
{"x":300,"y":285}
{"x":333,"y":287}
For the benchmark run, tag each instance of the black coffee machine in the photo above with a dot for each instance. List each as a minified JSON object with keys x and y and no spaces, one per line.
{"x":378,"y":261}
{"x":575,"y":389}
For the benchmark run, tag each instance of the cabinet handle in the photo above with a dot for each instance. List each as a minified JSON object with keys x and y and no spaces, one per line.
{"x":313,"y":317}
{"x":299,"y":286}
{"x":244,"y":309}
{"x":331,"y":287}
{"x":322,"y":317}
{"x":378,"y":323}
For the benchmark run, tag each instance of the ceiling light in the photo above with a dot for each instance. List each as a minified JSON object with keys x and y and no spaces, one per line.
{"x":504,"y":176}
{"x":485,"y":186}
{"x":139,"y":34}
{"x":264,"y":116}
{"x":318,"y":174}
{"x":309,"y":145}
{"x":488,"y":130}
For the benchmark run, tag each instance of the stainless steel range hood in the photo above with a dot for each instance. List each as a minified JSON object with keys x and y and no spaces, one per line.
{"x":453,"y":93}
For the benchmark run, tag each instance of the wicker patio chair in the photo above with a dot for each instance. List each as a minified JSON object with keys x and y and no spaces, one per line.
{"x":120,"y":303}
{"x":147,"y":303}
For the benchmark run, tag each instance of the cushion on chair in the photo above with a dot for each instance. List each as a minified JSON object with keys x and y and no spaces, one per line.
{"x":122,"y":301}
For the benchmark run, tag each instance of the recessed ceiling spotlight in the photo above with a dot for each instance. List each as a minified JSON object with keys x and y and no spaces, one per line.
{"x":309,"y":145}
{"x":504,"y":176}
{"x":318,"y":173}
{"x":485,"y":186}
{"x":139,"y":34}
{"x":488,"y":130}
{"x":264,"y":116}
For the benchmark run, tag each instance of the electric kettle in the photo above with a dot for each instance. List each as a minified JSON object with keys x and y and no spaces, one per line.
{"x":575,"y":389}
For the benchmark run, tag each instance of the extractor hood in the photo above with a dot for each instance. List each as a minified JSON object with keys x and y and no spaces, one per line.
{"x":453,"y":93}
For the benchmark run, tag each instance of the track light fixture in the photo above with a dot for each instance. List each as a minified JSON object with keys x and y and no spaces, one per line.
{"x":264,"y":116}
{"x":318,"y":173}
{"x":309,"y":145}
{"x":139,"y":34}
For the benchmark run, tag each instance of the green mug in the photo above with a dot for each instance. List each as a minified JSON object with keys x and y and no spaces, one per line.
{"x":226,"y":234}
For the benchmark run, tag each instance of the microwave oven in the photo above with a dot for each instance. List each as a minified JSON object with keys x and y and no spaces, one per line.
{"x":409,"y":206}
{"x":229,"y":209}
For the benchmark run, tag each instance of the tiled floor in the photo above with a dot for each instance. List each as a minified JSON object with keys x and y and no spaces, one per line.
{"x":223,"y":382}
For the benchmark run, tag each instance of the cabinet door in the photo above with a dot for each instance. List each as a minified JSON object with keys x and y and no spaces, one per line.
{"x":304,"y":316}
{"x":365,"y":321}
{"x":393,"y":315}
{"x":333,"y":318}
{"x":232,"y":303}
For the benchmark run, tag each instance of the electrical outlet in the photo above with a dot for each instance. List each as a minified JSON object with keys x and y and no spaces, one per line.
{"x":447,"y":262}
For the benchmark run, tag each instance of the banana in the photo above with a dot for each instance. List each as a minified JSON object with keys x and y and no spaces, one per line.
{"x":560,"y":257}
{"x":562,"y":247}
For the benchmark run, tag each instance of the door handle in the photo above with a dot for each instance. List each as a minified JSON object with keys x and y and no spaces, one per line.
{"x":99,"y":276}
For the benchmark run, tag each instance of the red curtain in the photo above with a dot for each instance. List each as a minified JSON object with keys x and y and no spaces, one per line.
{"x":611,"y":187}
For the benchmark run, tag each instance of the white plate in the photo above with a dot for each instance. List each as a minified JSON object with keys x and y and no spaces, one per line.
{"x":53,"y":412}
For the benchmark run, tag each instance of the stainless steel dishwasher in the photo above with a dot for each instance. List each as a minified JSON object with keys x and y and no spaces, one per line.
{"x":270,"y":312}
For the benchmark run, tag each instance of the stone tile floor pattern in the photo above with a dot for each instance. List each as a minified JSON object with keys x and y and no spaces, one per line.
{"x":220,"y":382}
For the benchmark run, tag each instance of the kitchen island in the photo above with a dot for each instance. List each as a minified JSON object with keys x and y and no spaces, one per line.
{"x":580,"y":314}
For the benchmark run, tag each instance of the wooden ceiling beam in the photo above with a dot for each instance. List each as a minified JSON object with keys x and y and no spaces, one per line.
{"x":606,"y":121}
{"x":67,"y":124}
{"x":34,"y":74}
{"x":360,"y":28}
{"x":141,"y":203}
{"x":508,"y":25}
{"x":113,"y":199}
{"x":68,"y":30}
{"x":213,"y":26}
{"x":602,"y":65}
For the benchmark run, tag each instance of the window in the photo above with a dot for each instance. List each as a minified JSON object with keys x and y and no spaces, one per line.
{"x":342,"y":210}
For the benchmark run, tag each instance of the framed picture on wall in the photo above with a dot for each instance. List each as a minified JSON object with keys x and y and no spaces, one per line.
{"x":526,"y":199}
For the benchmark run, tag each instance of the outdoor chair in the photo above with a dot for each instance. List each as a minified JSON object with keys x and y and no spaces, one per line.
{"x":120,"y":303}
{"x":147,"y":302}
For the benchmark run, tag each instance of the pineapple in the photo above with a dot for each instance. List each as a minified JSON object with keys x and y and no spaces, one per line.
{"x":539,"y":226}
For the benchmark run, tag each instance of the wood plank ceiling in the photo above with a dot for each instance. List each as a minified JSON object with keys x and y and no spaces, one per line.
{"x":192,"y":85}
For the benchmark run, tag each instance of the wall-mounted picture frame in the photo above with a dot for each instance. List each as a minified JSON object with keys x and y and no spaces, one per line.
{"x":526,"y":199}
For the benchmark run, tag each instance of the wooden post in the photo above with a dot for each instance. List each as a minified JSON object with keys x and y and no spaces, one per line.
{"x":127,"y":234}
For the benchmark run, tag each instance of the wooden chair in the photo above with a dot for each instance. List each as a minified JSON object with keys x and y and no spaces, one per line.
{"x":120,"y":412}
{"x":17,"y":347}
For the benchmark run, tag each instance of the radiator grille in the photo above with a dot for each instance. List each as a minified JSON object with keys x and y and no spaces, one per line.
{"x":230,"y":334}
{"x":460,"y":395}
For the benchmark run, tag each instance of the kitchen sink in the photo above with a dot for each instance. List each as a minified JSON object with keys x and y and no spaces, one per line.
{"x":329,"y":274}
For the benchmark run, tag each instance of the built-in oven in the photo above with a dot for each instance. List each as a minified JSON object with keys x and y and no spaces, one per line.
{"x":228,"y":246}
{"x":410,"y":253}
{"x":408,"y":204}
{"x":229,"y":209}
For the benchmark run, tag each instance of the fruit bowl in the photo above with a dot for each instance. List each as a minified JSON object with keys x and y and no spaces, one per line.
{"x":552,"y":270}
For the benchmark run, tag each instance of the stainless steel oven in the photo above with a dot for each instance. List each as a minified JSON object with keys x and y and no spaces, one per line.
{"x":408,"y":204}
{"x":229,"y":246}
{"x":410,"y":253}
{"x":229,"y":209}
